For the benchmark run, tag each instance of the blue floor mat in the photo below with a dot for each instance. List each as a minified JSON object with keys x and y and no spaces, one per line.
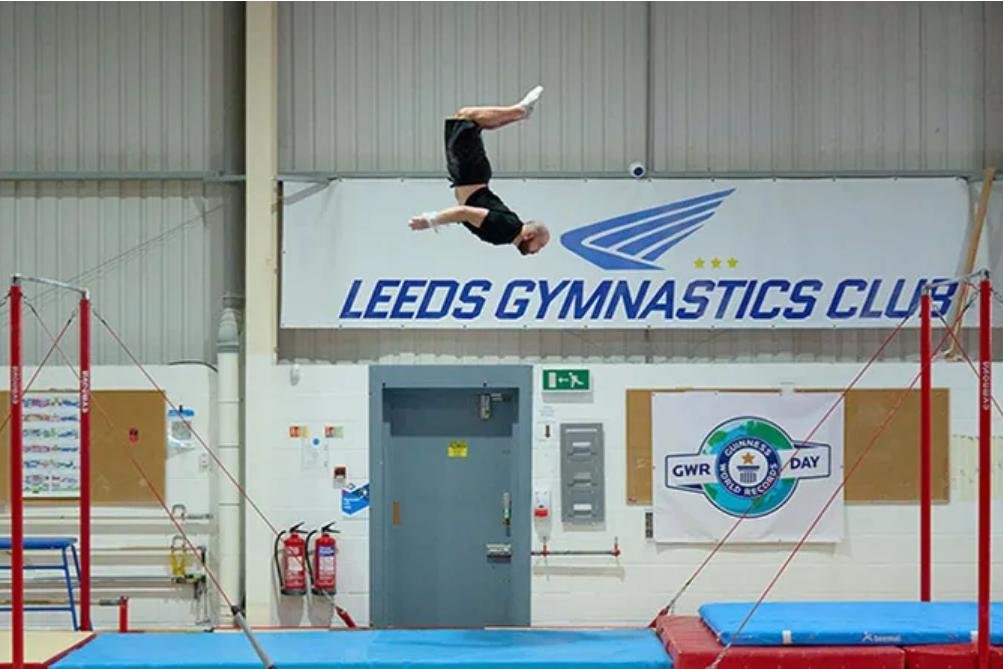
{"x":366,"y":649}
{"x":850,"y":623}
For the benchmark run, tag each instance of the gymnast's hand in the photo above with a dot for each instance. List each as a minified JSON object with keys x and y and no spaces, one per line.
{"x":436,"y":219}
{"x":420,"y":222}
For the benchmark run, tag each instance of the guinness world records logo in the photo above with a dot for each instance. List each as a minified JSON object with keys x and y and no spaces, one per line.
{"x":748,"y":462}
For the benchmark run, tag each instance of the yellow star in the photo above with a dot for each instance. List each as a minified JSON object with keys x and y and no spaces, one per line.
{"x":748,"y":458}
{"x":715,"y":263}
{"x":699,"y":263}
{"x":732,"y":263}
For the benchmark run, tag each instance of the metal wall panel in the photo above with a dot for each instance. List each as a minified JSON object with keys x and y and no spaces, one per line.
{"x":735,"y":87}
{"x":760,"y":87}
{"x":817,"y":87}
{"x":155,"y":255}
{"x":121,"y":86}
{"x":993,"y":135}
{"x":607,"y":346}
{"x":593,"y":346}
{"x":364,"y":86}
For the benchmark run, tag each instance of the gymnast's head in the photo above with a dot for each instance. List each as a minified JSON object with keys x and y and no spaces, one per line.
{"x":533,"y":238}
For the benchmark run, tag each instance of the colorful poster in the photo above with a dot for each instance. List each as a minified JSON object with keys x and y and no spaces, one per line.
{"x":51,"y":444}
{"x":772,"y":461}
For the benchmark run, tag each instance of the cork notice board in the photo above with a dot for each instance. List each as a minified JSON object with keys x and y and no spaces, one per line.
{"x":889,"y":472}
{"x":120,"y":419}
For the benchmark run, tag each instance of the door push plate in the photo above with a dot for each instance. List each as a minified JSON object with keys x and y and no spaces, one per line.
{"x":499,"y":550}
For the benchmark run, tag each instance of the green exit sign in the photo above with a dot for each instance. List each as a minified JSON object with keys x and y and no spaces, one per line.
{"x":579,"y":380}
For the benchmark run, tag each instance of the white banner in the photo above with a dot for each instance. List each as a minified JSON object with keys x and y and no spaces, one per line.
{"x":662,"y":253}
{"x":720,"y":456}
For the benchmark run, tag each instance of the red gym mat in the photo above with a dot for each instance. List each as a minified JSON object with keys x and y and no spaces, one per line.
{"x":693,"y":646}
{"x":954,"y":656}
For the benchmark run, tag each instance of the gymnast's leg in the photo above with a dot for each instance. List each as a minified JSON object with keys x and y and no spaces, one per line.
{"x":492,"y":118}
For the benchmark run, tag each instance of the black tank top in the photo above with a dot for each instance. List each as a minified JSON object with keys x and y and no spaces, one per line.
{"x":501,"y":225}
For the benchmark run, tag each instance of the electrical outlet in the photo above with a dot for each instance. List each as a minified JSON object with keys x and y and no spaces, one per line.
{"x":203,"y":461}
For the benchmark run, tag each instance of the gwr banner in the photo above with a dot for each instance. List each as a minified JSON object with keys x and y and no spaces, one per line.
{"x":662,"y":253}
{"x":719,"y":457}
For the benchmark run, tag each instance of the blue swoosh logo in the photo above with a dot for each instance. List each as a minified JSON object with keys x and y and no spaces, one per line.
{"x":638,"y":239}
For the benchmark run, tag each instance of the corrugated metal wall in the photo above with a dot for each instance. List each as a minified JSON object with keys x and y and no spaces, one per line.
{"x":821,"y":86}
{"x":691,"y":87}
{"x":149,"y":251}
{"x":785,"y":88}
{"x":365,"y":86}
{"x":762,"y":87}
{"x":400,"y":347}
{"x":124,"y":89}
{"x":129,"y":86}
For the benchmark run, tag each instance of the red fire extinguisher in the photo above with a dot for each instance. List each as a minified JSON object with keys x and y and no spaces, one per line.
{"x":323,"y":562}
{"x":291,"y":561}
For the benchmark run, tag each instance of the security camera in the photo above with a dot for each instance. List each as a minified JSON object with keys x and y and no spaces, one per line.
{"x":637,"y":170}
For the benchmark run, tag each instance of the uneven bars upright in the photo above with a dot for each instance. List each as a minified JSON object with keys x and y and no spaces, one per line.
{"x":16,"y":481}
{"x":85,"y":462}
{"x":925,"y":448}
{"x":16,"y":465}
{"x":985,"y":464}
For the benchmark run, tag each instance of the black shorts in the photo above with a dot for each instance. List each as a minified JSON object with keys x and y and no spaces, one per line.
{"x":465,"y":157}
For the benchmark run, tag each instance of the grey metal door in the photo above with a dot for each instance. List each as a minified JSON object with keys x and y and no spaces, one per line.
{"x":449,"y":475}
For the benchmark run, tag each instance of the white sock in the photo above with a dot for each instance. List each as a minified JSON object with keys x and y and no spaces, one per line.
{"x":528,"y":102}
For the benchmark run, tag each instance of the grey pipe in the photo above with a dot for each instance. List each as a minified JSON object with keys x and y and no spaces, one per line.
{"x":238,"y":618}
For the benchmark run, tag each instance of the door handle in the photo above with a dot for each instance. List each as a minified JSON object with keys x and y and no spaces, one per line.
{"x":506,"y":509}
{"x":498,"y":551}
{"x":396,"y":513}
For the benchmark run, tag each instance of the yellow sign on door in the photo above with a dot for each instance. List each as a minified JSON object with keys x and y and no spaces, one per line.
{"x":457,"y":449}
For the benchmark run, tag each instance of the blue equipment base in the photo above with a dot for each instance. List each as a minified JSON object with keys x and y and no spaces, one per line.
{"x":367,"y":649}
{"x":39,"y":543}
{"x":850,"y":623}
{"x":67,"y":547}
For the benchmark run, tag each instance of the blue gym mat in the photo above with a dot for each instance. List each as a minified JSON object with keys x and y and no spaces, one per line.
{"x":367,"y":649}
{"x":850,"y":623}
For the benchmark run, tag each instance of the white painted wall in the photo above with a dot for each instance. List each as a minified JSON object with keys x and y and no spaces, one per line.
{"x":324,"y":395}
{"x":878,"y":558}
{"x":188,"y":480}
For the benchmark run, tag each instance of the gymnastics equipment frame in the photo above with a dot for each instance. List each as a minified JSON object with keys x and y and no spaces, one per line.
{"x":17,"y":390}
{"x":985,"y":399}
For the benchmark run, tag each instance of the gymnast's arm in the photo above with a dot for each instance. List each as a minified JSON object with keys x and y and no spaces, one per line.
{"x":473,"y":215}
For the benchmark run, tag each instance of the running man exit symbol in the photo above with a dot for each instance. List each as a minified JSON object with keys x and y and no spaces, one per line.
{"x":578,"y":380}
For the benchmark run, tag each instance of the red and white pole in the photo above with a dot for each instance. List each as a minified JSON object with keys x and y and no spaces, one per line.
{"x":85,"y":463}
{"x":925,"y":448}
{"x":16,"y":481}
{"x":985,"y":464}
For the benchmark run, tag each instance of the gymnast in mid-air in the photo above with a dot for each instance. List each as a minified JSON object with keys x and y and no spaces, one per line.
{"x":479,"y":209}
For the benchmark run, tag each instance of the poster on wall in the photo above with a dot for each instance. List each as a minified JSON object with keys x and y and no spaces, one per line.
{"x":721,"y":456}
{"x":354,"y":499}
{"x":51,"y":444}
{"x":650,"y":253}
{"x":179,"y":428}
